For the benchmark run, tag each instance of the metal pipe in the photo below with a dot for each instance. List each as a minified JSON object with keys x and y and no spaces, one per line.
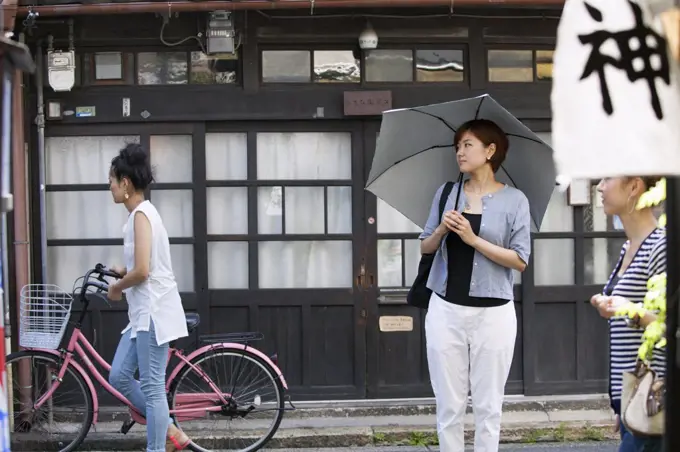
{"x":186,"y":6}
{"x":40,"y":122}
{"x":21,"y":228}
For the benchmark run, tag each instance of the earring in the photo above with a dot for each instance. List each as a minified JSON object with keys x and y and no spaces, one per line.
{"x":126,"y":196}
{"x":631,"y":209}
{"x":488,"y":158}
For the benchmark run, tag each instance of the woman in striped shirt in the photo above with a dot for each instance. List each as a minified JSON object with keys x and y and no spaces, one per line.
{"x":642,"y":256}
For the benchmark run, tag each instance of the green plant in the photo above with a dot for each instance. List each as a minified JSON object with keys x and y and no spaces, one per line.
{"x":655,"y":299}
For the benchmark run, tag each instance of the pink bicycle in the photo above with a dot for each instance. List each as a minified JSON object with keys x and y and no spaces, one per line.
{"x":53,"y":389}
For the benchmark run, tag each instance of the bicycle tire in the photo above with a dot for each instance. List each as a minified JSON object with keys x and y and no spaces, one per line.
{"x":266,"y":366}
{"x":78,"y":377}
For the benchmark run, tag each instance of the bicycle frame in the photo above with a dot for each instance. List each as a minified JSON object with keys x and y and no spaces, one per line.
{"x":193,"y":406}
{"x":197,"y":404}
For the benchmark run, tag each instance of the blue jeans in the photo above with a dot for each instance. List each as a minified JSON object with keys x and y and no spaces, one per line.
{"x":632,"y":443}
{"x":147,"y":395}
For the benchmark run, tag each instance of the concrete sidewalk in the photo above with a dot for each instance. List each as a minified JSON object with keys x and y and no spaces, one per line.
{"x":391,"y":422}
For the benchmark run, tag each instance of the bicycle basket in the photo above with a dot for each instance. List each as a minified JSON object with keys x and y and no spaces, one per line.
{"x":44,"y":313}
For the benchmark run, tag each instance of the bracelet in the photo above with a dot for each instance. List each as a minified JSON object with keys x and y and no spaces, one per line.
{"x":634,"y":322}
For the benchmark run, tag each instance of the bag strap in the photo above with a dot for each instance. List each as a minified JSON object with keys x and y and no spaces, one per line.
{"x":443,"y":198}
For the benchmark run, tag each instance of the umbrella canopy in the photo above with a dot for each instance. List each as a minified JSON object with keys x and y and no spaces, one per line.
{"x":414,"y":156}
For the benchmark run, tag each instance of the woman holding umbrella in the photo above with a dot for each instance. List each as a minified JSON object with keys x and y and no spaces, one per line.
{"x":471,"y":324}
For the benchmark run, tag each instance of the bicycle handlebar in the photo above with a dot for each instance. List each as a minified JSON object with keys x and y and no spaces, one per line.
{"x":99,"y":282}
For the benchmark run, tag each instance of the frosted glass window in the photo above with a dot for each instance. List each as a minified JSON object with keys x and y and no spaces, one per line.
{"x":412,"y":259}
{"x":67,"y":263}
{"x":183,"y":266}
{"x":227,"y":210}
{"x":391,"y":220}
{"x":270,"y":210}
{"x":305,"y":264}
{"x":339,"y":210}
{"x":82,"y":160}
{"x":176,"y":209}
{"x":84,"y":215}
{"x":226,"y":156}
{"x":389,"y":263}
{"x":304,"y":155}
{"x":171,"y":157}
{"x":304,"y":210}
{"x":554,"y":263}
{"x":228,"y":265}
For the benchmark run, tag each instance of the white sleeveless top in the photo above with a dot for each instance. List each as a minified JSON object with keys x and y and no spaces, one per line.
{"x":157,"y":298}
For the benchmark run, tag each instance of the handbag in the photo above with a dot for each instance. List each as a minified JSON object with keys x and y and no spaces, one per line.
{"x":419,"y":295}
{"x":643,"y":401}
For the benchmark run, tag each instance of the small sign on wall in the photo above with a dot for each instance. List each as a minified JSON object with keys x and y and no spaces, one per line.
{"x":367,"y":103}
{"x":395,"y":323}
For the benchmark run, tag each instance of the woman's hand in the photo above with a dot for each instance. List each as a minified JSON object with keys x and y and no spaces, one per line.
{"x":118,"y":269}
{"x":115,"y":293}
{"x":607,"y":306}
{"x":461,"y":226}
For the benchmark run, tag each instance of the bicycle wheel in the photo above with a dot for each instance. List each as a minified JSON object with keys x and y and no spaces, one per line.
{"x":63,"y":421}
{"x":253,"y":393}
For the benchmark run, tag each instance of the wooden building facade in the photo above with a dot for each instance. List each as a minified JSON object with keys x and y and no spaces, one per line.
{"x":260,"y":165}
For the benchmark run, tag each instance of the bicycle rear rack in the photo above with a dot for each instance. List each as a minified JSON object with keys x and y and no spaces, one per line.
{"x":230,"y":337}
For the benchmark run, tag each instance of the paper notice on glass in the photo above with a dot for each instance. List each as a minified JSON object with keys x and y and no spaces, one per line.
{"x":615,"y":95}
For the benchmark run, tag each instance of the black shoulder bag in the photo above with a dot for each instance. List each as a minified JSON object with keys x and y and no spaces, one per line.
{"x":419,"y":295}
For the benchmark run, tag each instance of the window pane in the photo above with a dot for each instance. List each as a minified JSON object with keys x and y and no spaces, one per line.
{"x":84,"y":215}
{"x":594,"y":218}
{"x":389,"y":65}
{"x":559,"y":217}
{"x":544,"y":64}
{"x":412,"y":259}
{"x":286,"y":66}
{"x":336,"y":66}
{"x":511,"y":66}
{"x":308,"y":264}
{"x":176,"y":209}
{"x":601,"y":256}
{"x":228,"y":265}
{"x":304,"y":155}
{"x":389,"y":263}
{"x":108,"y":66}
{"x":390,"y":220}
{"x":213,"y":69}
{"x":227,"y":210}
{"x":183,"y":266}
{"x":440,"y":66}
{"x":162,"y":68}
{"x":339,"y":210}
{"x":65,"y":264}
{"x":269,"y":210}
{"x":226,"y":156}
{"x":171,"y":157}
{"x":82,"y":160}
{"x":304,"y":210}
{"x":553,"y":262}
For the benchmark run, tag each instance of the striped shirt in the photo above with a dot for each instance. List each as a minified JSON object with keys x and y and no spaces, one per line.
{"x":624,"y":341}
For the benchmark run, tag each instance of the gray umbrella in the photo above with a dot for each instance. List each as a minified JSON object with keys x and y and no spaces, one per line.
{"x":414,"y":156}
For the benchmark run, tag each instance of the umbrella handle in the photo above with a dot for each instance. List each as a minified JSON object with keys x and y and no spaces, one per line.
{"x":460,"y":186}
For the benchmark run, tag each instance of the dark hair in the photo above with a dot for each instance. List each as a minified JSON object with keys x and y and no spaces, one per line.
{"x":488,"y":133}
{"x":649,"y":181}
{"x":133,"y":162}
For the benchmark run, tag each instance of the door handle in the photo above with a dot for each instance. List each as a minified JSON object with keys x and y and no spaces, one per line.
{"x":361,"y":276}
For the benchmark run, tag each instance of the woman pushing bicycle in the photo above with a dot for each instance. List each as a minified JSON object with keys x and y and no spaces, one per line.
{"x":154,"y":305}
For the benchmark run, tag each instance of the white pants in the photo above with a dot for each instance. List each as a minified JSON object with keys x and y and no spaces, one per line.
{"x":476,"y":343}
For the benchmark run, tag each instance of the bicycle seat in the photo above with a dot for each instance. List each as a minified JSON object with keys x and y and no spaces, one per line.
{"x":193,"y":320}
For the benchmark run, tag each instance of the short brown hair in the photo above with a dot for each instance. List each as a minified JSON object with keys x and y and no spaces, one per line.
{"x":488,"y":133}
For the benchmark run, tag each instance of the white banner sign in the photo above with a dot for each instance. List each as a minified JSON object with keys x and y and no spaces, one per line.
{"x":615,"y":96}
